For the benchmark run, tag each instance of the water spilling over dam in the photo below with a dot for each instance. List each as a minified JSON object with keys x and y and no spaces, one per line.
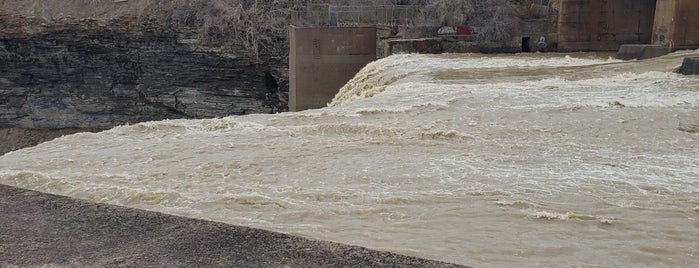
{"x":490,"y":161}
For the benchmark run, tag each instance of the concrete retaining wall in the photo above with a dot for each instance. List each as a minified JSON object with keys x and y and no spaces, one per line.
{"x":641,"y":52}
{"x":586,"y":25}
{"x":422,"y":45}
{"x":445,"y":44}
{"x":539,"y":35}
{"x":322,"y":60}
{"x":690,"y":66}
{"x":677,"y":24}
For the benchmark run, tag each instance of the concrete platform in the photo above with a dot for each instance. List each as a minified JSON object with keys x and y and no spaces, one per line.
{"x":690,"y":66}
{"x":44,"y":230}
{"x":641,"y":52}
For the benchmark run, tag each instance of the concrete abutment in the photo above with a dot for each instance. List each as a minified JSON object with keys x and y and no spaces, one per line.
{"x":323,"y":59}
{"x":589,"y":25}
{"x":641,"y":52}
{"x":690,"y":66}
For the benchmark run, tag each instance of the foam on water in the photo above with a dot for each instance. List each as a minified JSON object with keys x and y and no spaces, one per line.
{"x":377,"y":76}
{"x":559,"y":163}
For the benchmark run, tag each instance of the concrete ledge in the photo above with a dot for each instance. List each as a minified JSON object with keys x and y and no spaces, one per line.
{"x":422,"y":46}
{"x":447,"y":44}
{"x":690,"y":66}
{"x":641,"y":52}
{"x":44,"y":230}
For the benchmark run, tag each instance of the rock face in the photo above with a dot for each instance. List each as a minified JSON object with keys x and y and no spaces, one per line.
{"x":87,"y":75}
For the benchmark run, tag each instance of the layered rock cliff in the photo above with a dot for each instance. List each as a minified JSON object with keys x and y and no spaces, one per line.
{"x":83,"y":74}
{"x":94,"y":74}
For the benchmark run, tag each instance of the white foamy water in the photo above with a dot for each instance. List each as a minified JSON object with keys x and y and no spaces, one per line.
{"x":489,"y":161}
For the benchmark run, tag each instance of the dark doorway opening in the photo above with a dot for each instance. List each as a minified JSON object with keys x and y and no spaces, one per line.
{"x":525,"y":45}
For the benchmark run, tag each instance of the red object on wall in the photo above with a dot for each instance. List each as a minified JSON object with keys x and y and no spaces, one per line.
{"x":421,"y":47}
{"x":464,"y":30}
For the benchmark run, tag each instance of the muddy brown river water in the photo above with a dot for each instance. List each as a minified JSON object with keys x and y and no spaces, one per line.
{"x":483,"y":160}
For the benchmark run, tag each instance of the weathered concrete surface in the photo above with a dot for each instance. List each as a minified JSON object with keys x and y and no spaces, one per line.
{"x":322,"y":60}
{"x":447,"y":44}
{"x":690,"y":66}
{"x":677,"y":24}
{"x":593,"y":25}
{"x":641,"y":52}
{"x":47,"y":230}
{"x":536,"y":29}
{"x":418,"y":45}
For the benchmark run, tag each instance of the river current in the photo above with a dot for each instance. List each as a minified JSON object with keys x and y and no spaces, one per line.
{"x":483,"y":160}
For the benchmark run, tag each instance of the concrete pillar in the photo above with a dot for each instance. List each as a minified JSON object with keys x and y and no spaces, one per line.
{"x":677,"y":24}
{"x":599,"y":25}
{"x":690,"y":66}
{"x":322,"y":60}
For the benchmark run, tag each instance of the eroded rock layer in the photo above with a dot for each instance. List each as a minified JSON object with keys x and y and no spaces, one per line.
{"x":85,"y":74}
{"x":82,"y":74}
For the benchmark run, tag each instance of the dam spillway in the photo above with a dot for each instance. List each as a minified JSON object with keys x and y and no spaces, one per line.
{"x":489,"y":161}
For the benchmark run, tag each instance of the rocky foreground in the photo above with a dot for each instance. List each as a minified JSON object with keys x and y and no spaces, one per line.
{"x":52,"y":231}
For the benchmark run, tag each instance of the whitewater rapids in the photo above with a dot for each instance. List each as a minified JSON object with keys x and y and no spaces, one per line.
{"x":489,"y":161}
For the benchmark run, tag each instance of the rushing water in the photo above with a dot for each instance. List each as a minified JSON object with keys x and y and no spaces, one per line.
{"x":490,"y":161}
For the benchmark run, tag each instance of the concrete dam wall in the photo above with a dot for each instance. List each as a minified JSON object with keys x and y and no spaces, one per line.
{"x":322,"y":60}
{"x":594,"y":25}
{"x":677,"y":24}
{"x":604,"y":25}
